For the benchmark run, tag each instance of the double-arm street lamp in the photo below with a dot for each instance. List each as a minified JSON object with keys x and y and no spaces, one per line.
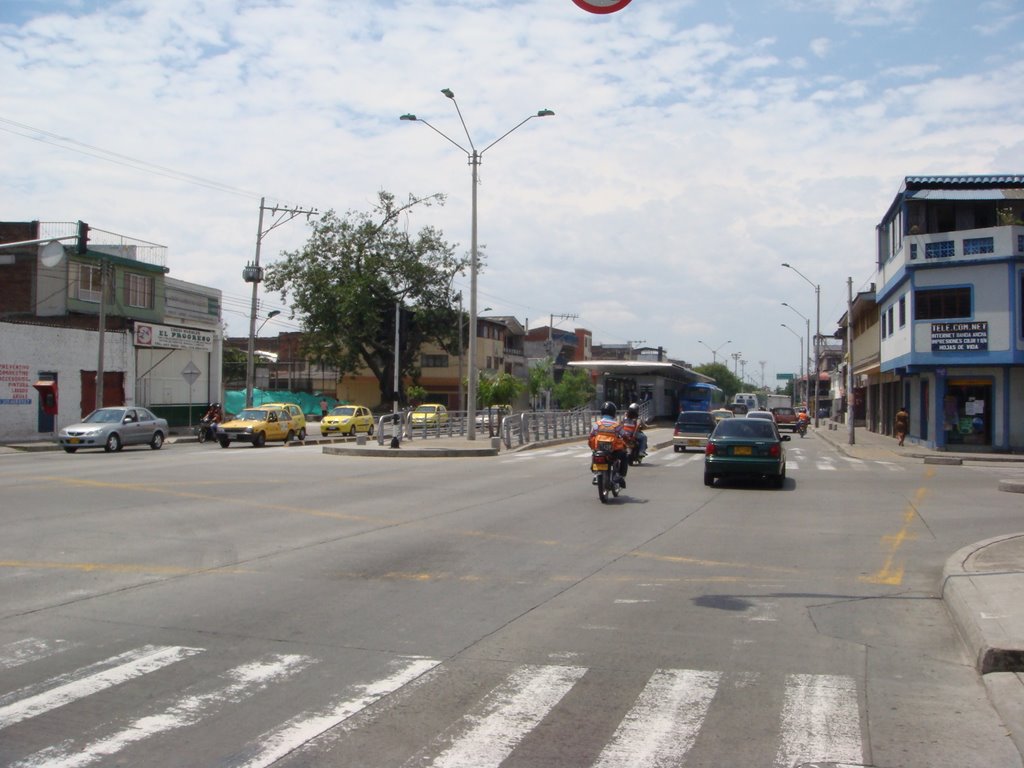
{"x":475,"y":157}
{"x":817,"y":333}
{"x":714,"y":352}
{"x":807,"y":320}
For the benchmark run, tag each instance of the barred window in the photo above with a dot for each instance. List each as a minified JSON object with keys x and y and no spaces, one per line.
{"x":138,"y":291}
{"x":903,"y":311}
{"x":434,"y":361}
{"x":942,"y":303}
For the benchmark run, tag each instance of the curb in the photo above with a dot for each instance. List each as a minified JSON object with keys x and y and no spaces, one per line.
{"x":978,"y":621}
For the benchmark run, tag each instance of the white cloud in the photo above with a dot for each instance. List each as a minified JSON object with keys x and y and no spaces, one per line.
{"x":690,"y":154}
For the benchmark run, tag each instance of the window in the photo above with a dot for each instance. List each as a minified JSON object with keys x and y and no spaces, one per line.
{"x":434,"y":361}
{"x":138,"y":291}
{"x":903,"y":311}
{"x":87,"y":287}
{"x":881,"y":322}
{"x":942,"y":303}
{"x":976,"y":245}
{"x":889,"y":320}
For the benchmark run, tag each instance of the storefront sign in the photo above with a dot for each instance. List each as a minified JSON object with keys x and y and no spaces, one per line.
{"x":172,"y":337}
{"x":14,"y":384}
{"x":960,"y":337}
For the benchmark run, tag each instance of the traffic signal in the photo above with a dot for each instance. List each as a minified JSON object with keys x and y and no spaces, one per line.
{"x":82,"y":246}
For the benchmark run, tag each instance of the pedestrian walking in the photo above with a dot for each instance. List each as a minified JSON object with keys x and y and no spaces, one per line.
{"x":902,"y":424}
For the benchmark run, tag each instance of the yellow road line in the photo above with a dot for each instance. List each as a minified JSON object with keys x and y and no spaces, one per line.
{"x":891,"y":572}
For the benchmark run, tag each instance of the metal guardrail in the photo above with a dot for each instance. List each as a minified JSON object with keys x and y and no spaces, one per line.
{"x":516,"y":429}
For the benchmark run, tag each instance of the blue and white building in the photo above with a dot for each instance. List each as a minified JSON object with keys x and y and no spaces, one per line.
{"x":949,"y":292}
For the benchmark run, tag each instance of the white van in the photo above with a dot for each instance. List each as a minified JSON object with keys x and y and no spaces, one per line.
{"x":748,"y":399}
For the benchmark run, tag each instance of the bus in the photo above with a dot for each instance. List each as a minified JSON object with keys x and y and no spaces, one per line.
{"x":701,"y":397}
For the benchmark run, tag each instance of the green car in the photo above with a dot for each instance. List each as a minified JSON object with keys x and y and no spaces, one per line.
{"x":750,"y":448}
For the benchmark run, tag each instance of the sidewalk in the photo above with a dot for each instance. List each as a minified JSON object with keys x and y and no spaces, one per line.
{"x":982,"y":583}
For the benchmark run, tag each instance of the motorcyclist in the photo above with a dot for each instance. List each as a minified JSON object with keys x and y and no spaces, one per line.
{"x":633,"y":427}
{"x":609,"y":429}
{"x":214,"y":415}
{"x":802,"y":420}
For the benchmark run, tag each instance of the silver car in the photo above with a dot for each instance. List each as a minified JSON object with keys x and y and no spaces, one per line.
{"x":113,"y":428}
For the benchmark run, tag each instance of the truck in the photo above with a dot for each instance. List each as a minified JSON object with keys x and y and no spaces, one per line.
{"x":778,"y":401}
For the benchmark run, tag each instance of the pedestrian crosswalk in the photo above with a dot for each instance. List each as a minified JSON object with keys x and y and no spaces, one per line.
{"x":797,"y":459}
{"x":659,"y":721}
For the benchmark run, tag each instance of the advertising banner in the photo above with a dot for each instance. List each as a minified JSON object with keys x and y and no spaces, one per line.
{"x":172,"y":337}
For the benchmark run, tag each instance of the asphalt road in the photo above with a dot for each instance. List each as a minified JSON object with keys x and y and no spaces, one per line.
{"x":205,"y":607}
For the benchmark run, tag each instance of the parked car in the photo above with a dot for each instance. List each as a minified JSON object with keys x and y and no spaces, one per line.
{"x":746,"y":448}
{"x":692,"y":429}
{"x":785,"y":418}
{"x":298,"y":417}
{"x":430,"y":415}
{"x":347,"y":420}
{"x":256,"y":426}
{"x":113,"y":428}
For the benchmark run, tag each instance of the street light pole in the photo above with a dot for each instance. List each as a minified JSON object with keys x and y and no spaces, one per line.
{"x":808,"y":321}
{"x":817,"y":334}
{"x":475,"y":157}
{"x":714,"y":352}
{"x":802,"y":359}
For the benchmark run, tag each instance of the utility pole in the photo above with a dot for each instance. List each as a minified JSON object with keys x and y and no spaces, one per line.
{"x":100,"y":373}
{"x":849,"y":360}
{"x":253,"y":273}
{"x":762,"y":364}
{"x":551,"y":345}
{"x":735,"y":362}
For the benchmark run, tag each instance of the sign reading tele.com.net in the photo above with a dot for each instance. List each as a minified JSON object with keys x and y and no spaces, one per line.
{"x":602,"y":6}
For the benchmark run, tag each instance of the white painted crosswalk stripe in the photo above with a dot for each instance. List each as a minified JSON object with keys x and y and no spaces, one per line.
{"x":244,"y":681}
{"x":819,"y":718}
{"x":664,"y":722}
{"x":510,"y":712}
{"x":105,"y":674}
{"x":28,"y":650}
{"x":306,"y":727}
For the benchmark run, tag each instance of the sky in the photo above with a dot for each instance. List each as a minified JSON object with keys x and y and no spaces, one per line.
{"x":696,"y":145}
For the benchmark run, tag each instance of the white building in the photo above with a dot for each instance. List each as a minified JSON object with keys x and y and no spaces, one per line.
{"x":949,"y":292}
{"x":161,"y":347}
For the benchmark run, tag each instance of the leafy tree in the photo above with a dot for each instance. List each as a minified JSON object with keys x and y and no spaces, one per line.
{"x":500,"y":389}
{"x":345,"y":282}
{"x":724,"y":378}
{"x":541,"y":379}
{"x":575,"y":389}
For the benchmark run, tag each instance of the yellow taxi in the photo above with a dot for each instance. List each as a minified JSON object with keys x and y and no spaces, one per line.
{"x":347,"y":420}
{"x":429,"y":415}
{"x":256,"y":426}
{"x":298,"y":417}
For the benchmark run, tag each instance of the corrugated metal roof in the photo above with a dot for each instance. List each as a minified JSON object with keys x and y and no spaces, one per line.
{"x":911,"y":182}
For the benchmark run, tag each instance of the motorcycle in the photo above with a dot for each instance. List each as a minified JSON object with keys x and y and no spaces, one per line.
{"x":606,"y":474}
{"x":206,"y":429}
{"x":801,"y":427}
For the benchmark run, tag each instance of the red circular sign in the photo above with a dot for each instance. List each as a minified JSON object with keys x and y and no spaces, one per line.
{"x":602,"y":6}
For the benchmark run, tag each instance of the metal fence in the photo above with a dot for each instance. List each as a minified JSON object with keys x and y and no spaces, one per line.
{"x":514,"y":430}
